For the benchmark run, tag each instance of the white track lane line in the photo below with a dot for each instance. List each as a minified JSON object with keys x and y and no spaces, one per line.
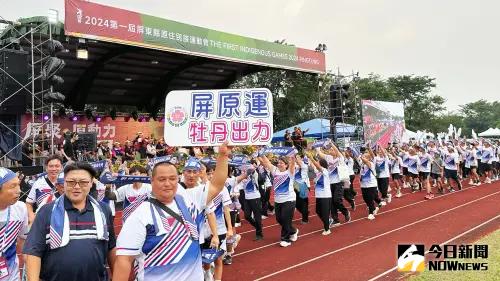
{"x":374,"y":237}
{"x":313,"y":215}
{"x":446,"y":242}
{"x":363,"y":218}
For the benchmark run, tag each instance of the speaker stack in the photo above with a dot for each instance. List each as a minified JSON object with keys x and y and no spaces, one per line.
{"x":15,"y":66}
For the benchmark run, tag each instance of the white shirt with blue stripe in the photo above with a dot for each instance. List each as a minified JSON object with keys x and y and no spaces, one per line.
{"x":322,"y":186}
{"x":283,"y":186}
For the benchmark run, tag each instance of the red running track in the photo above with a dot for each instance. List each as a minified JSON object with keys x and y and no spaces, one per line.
{"x":364,"y":249}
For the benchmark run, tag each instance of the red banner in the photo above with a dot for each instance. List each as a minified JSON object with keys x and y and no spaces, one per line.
{"x":107,"y":129}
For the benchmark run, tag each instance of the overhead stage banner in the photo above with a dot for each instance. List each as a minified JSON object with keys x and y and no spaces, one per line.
{"x":100,"y":22}
{"x":211,"y":117}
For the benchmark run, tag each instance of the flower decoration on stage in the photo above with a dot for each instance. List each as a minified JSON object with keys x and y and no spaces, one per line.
{"x":245,"y":149}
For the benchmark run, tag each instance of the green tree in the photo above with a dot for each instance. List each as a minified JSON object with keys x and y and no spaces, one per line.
{"x":481,"y":115}
{"x":374,"y":87}
{"x":295,"y":94}
{"x":442,"y":122}
{"x":415,"y":92}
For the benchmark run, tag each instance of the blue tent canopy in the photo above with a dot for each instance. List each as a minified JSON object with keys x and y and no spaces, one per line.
{"x":318,"y":128}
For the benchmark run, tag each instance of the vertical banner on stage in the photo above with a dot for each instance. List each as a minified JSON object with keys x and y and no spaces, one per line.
{"x":383,"y":122}
{"x":211,"y":117}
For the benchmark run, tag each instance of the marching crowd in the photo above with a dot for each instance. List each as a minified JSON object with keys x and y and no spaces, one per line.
{"x":180,"y":219}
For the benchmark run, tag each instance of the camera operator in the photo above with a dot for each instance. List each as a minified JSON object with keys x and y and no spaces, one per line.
{"x":69,"y":145}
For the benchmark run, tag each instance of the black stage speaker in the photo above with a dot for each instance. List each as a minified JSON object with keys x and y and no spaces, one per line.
{"x":86,"y":141}
{"x":14,"y":65}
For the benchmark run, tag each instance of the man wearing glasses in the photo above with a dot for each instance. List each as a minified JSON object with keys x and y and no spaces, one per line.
{"x":72,"y":238}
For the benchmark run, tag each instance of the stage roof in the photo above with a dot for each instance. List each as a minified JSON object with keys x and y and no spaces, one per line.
{"x":142,"y":71}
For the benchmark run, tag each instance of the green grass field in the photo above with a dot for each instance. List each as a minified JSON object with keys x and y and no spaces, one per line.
{"x":493,"y":272}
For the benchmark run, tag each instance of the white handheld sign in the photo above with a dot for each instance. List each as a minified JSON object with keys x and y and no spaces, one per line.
{"x":211,"y":117}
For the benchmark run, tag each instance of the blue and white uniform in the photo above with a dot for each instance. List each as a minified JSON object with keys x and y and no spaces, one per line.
{"x":233,"y":189}
{"x":128,"y":195}
{"x":413,"y":162}
{"x":41,"y":193}
{"x":425,"y":163}
{"x":301,"y":175}
{"x":322,"y":186}
{"x":471,"y":158}
{"x":250,"y":186}
{"x":451,"y":161}
{"x":165,"y":249}
{"x":368,"y":178}
{"x":101,"y":192}
{"x":350,"y":165}
{"x":396,"y":165}
{"x":283,"y":186}
{"x":382,"y":166}
{"x":333,"y":164}
{"x":217,"y":207}
{"x":14,"y":221}
{"x":487,"y":155}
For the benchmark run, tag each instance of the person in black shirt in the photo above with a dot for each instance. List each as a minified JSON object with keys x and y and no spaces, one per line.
{"x":288,"y":139}
{"x":77,"y":249}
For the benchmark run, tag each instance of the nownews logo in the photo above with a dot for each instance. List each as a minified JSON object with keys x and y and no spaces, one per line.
{"x":411,"y":258}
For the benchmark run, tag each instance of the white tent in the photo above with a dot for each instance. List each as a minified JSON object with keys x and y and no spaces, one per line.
{"x":490,"y":133}
{"x":407,"y":135}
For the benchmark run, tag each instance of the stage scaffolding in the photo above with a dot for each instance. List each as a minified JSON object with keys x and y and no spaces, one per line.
{"x":342,"y":107}
{"x":32,"y":34}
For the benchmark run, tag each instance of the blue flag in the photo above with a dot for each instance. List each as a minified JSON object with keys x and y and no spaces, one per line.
{"x":281,"y":151}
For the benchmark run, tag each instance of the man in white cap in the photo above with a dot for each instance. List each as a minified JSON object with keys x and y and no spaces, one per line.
{"x":14,"y":224}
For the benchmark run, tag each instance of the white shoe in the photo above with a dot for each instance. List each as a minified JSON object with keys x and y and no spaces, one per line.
{"x":285,"y":244}
{"x":264,"y":217}
{"x":471,"y":182}
{"x":487,"y":181}
{"x":237,"y":239}
{"x":389,"y":198}
{"x":295,"y":236}
{"x":326,"y":232}
{"x":371,"y":217}
{"x":238,"y":224}
{"x":375,"y":211}
{"x":383,"y":203}
{"x":207,"y":275}
{"x":398,"y":195}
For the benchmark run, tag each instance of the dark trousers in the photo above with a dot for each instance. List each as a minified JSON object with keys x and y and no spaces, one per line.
{"x":253,"y":206}
{"x":284,"y":216}
{"x":337,"y":205}
{"x":370,"y":196}
{"x":265,"y":196}
{"x":349,"y":193}
{"x":383,"y":185}
{"x":323,"y":206}
{"x":302,"y":205}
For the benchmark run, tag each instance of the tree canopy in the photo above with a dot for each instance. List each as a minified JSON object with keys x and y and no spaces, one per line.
{"x":299,"y":97}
